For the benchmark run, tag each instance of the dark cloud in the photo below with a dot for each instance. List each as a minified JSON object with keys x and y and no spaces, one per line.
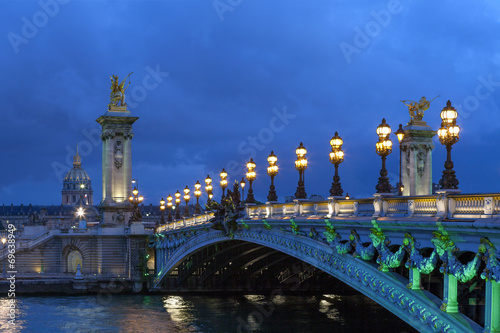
{"x":228,"y":78}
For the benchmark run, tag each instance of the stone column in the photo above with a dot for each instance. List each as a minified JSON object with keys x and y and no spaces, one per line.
{"x":415,"y":281}
{"x":450,"y":303}
{"x":116,"y":162}
{"x":127,"y":165}
{"x":492,"y":306}
{"x":416,"y":170}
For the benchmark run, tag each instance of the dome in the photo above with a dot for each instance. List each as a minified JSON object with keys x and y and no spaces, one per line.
{"x":77,"y":185}
{"x":76,"y":173}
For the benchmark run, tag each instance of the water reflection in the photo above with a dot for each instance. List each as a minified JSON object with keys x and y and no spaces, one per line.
{"x":200,"y":314}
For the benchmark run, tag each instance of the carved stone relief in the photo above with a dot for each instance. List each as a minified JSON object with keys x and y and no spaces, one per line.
{"x":118,"y":154}
{"x":420,"y":163}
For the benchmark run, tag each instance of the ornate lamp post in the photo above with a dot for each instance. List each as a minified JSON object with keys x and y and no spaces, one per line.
{"x":448,"y":136}
{"x":272,"y":171}
{"x":186,"y":199}
{"x":336,"y":157}
{"x":162,"y":208}
{"x":197,"y":194}
{"x":169,"y":205}
{"x":208,"y":188}
{"x":177,"y":205}
{"x":250,"y":177}
{"x":383,"y":148}
{"x":400,"y":133}
{"x":223,"y":182}
{"x":136,"y":199}
{"x":242,"y":184}
{"x":301,"y":166}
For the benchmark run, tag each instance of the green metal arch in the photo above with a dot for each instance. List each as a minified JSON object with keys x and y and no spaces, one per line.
{"x":418,"y":308}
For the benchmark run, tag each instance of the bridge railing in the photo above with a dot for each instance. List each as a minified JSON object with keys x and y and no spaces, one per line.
{"x":468,"y":206}
{"x":459,"y":206}
{"x":186,"y":222}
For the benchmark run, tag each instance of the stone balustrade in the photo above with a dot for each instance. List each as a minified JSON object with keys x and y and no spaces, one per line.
{"x":449,"y":206}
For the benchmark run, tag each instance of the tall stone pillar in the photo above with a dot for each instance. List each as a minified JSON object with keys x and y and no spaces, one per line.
{"x":116,"y":163}
{"x":416,"y":164}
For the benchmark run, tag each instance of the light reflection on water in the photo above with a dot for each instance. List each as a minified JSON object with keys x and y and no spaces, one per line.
{"x":199,"y":314}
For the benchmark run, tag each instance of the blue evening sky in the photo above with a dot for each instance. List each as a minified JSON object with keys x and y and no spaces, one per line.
{"x":218,"y":82}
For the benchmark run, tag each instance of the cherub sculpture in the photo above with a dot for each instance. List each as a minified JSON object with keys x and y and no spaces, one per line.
{"x":417,"y":109}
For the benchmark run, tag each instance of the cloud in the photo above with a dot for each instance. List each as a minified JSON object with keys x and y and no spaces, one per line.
{"x":226,"y":78}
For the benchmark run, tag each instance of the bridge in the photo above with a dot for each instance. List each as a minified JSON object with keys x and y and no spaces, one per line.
{"x":431,"y":260}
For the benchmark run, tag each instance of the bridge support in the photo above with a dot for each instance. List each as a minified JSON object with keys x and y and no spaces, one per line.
{"x":415,"y":282}
{"x":450,"y":303}
{"x":492,"y":315}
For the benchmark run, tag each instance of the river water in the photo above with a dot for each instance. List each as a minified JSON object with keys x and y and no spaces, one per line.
{"x":205,"y":313}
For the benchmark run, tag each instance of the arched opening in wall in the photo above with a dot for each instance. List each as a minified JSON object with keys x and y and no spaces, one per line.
{"x":74,"y":258}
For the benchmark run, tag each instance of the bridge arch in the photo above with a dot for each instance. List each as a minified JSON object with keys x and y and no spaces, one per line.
{"x":419,"y":308}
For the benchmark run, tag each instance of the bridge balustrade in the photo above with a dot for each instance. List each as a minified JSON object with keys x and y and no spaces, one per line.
{"x":496,"y":205}
{"x":424,"y":206}
{"x":454,"y":206}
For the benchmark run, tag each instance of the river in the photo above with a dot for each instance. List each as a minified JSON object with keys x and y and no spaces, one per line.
{"x":200,"y":313}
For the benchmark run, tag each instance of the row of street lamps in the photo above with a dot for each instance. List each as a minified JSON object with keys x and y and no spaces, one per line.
{"x":448,"y":135}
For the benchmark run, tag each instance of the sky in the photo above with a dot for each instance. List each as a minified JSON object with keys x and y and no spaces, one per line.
{"x":215,"y":83}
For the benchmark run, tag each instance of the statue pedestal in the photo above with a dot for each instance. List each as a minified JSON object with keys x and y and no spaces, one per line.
{"x":116,"y":156}
{"x":137,"y":228}
{"x":416,"y":164}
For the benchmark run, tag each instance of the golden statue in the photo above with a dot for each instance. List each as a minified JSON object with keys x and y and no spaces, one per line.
{"x":118,"y":91}
{"x":417,"y":109}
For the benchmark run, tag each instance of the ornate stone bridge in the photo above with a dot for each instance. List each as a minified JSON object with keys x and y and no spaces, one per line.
{"x":430,"y":260}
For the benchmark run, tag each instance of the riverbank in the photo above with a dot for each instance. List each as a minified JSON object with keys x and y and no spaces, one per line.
{"x":40,"y":284}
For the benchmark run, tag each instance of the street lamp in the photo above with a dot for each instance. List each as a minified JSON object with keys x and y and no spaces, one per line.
{"x":162,"y":208}
{"x":80,"y":213}
{"x":301,"y":166}
{"x":177,"y":205}
{"x":197,"y":194}
{"x":400,"y":133}
{"x":5,"y":258}
{"x":272,"y":171}
{"x":336,"y":157}
{"x":208,"y":188}
{"x":169,"y":205}
{"x":448,"y":136}
{"x":242,"y":184}
{"x":383,"y":148}
{"x":250,"y":177}
{"x":136,"y":199}
{"x":186,"y":199}
{"x":223,"y":182}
